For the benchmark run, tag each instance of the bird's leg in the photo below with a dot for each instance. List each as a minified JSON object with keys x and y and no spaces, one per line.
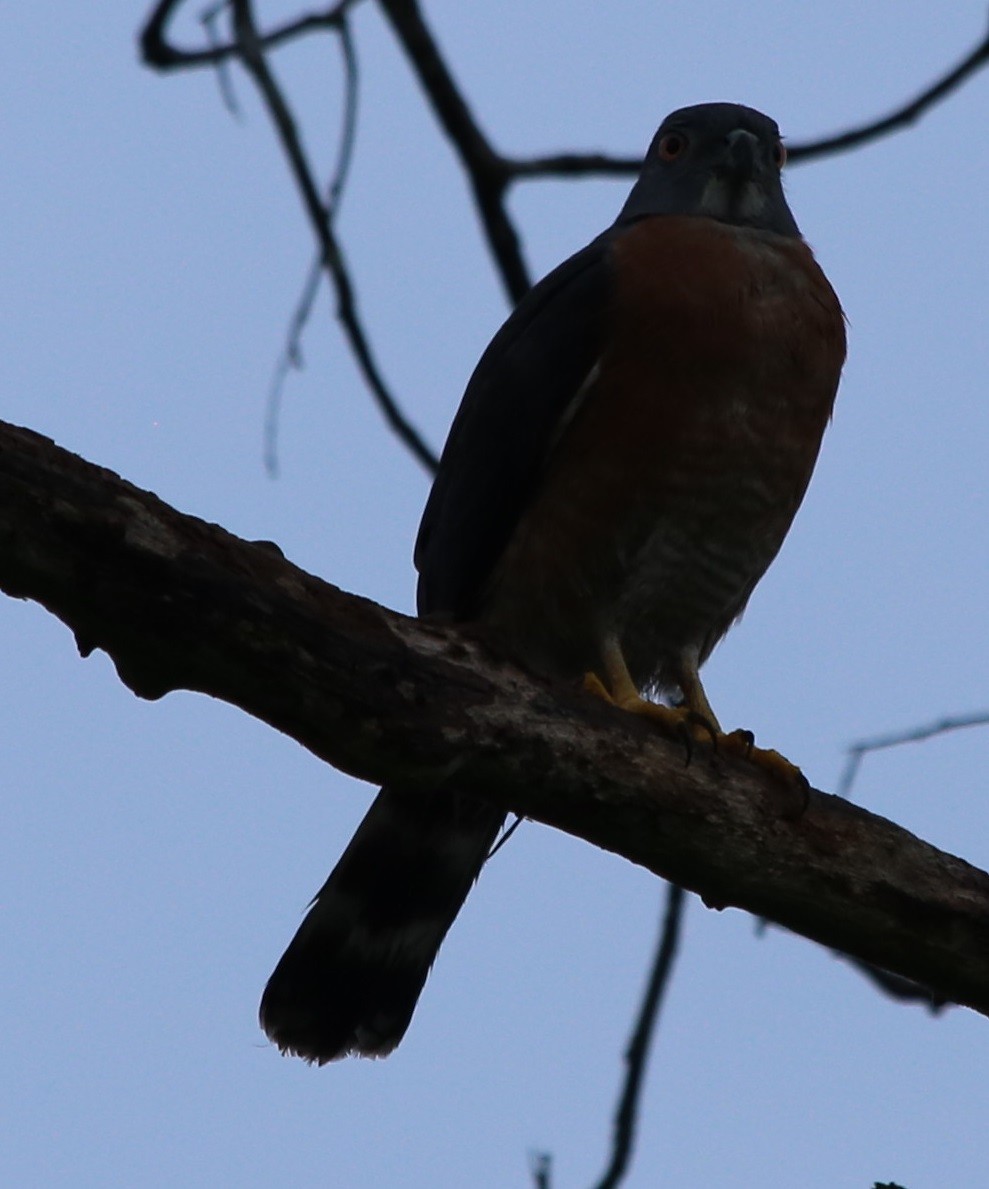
{"x":739,"y":743}
{"x":694,"y":719}
{"x":688,"y":721}
{"x":694,"y":697}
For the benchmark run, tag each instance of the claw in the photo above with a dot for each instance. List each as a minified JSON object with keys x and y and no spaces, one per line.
{"x":792,"y":789}
{"x":694,"y":722}
{"x":741,"y":742}
{"x":689,"y":726}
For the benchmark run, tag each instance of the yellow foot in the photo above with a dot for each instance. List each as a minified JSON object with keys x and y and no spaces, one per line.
{"x":793,"y":786}
{"x":682,"y":721}
{"x":689,"y":725}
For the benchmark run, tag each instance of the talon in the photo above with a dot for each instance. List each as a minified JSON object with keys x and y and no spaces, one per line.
{"x":741,"y":742}
{"x":687,"y":738}
{"x":791,"y":789}
{"x":703,"y":725}
{"x":694,"y":722}
{"x":684,"y":723}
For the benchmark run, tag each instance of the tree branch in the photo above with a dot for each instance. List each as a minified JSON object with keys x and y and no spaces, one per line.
{"x":181,"y":604}
{"x":637,"y":1053}
{"x":161,"y":54}
{"x":320,"y":219}
{"x":249,"y":47}
{"x":489,"y":173}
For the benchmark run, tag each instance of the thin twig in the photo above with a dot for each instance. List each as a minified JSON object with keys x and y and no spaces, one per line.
{"x":637,"y":1053}
{"x":856,"y":752}
{"x":253,"y":58}
{"x":570,"y":165}
{"x":573,"y":165}
{"x":541,"y":1167}
{"x":208,"y":19}
{"x":157,"y":51}
{"x":901,"y":117}
{"x":290,"y":359}
{"x":487,"y":170}
{"x":291,"y":356}
{"x":348,"y":131}
{"x":893,"y":985}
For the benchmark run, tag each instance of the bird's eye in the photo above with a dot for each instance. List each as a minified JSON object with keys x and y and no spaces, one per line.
{"x":671,"y":146}
{"x":779,"y":154}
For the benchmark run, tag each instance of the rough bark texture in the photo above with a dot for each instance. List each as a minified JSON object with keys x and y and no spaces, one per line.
{"x":181,"y":604}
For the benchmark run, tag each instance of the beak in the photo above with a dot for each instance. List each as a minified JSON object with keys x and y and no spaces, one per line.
{"x":742,"y":158}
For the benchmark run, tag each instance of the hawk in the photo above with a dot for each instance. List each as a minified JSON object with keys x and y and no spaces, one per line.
{"x":627,"y":459}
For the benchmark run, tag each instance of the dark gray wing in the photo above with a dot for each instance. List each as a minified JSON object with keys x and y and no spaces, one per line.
{"x":520,"y":391}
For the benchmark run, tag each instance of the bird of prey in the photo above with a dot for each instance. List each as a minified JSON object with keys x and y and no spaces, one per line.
{"x":627,"y":459}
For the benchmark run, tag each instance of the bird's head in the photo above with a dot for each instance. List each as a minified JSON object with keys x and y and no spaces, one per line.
{"x":719,"y":160}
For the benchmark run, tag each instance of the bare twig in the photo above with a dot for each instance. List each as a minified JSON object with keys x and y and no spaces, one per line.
{"x":252,"y":56}
{"x":489,"y":173}
{"x":249,"y":46}
{"x":901,"y":117}
{"x":541,"y":1167}
{"x":894,"y":986}
{"x":637,"y":1053}
{"x":161,"y":54}
{"x":856,"y":752}
{"x":208,"y":19}
{"x":291,"y":356}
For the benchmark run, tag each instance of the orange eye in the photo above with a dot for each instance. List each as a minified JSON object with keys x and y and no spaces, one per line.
{"x":671,"y":146}
{"x":779,"y":154}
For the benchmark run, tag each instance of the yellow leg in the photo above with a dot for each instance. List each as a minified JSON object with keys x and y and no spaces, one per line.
{"x":694,"y":719}
{"x":693,"y":692}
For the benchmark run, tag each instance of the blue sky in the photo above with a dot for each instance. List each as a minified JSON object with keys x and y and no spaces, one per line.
{"x":156,"y":857}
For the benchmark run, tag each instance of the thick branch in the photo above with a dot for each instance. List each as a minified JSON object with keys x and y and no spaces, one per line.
{"x":181,"y":604}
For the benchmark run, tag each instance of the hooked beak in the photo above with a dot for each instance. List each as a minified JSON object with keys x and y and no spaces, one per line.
{"x":741,"y":159}
{"x":736,"y":189}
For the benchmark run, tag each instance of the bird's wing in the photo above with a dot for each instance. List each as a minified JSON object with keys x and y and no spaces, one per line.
{"x":522,"y":391}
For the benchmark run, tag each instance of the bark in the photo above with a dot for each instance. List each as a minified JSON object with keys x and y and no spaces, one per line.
{"x":181,"y":604}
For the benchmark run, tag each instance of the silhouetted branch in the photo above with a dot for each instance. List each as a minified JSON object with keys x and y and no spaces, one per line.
{"x":856,"y":752}
{"x":637,"y":1053}
{"x":291,"y":356}
{"x":901,"y":117}
{"x":249,"y":46}
{"x":180,"y":604}
{"x":254,"y":62}
{"x":574,"y":165}
{"x":209,"y":20}
{"x":488,"y":171}
{"x":161,"y":54}
{"x":541,"y":1167}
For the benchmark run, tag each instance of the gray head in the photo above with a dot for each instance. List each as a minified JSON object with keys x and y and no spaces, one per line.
{"x":721,"y":160}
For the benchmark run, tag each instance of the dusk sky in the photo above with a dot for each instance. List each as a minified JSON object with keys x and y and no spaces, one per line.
{"x":156,"y":857}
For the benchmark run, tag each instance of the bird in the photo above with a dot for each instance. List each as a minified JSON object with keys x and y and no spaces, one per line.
{"x":627,"y":458}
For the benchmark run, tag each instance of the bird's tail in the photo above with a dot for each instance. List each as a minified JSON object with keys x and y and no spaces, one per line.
{"x":350,"y":978}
